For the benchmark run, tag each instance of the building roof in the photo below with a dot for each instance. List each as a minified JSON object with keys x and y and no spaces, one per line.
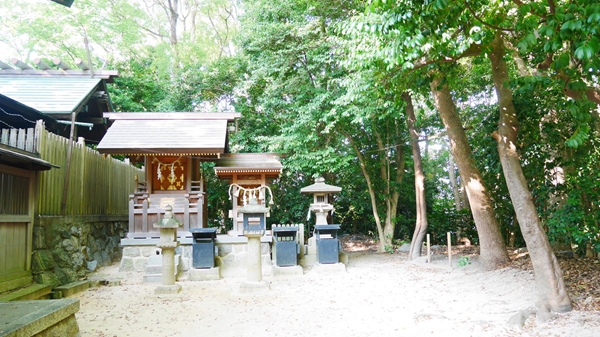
{"x":158,"y":137}
{"x":320,"y":187}
{"x":248,"y":163}
{"x":229,"y":116}
{"x":22,"y":159}
{"x":49,"y":95}
{"x":17,"y":115}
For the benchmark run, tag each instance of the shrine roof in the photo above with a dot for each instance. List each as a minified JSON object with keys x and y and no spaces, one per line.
{"x":49,"y":95}
{"x":156,"y":137}
{"x":229,"y":116}
{"x":248,"y":163}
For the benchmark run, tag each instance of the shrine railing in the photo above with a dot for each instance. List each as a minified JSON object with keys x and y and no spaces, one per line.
{"x":147,"y":209}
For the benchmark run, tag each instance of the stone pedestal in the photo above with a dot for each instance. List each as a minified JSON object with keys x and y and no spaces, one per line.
{"x":253,"y":259}
{"x":168,"y":242}
{"x":288,"y":271}
{"x":209,"y":274}
{"x":254,"y":282}
{"x":329,"y":268}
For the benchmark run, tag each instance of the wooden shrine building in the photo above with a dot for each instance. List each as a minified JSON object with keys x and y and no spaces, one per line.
{"x":171,"y":147}
{"x":247,"y":173}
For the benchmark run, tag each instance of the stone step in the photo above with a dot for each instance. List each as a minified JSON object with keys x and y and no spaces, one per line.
{"x":72,"y":288}
{"x":32,"y":292}
{"x":153,"y":270}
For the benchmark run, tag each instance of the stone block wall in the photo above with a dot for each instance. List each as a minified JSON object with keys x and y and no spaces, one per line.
{"x":231,"y":257}
{"x":65,"y":249}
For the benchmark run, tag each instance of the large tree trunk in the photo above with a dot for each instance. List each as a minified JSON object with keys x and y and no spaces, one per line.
{"x":421,"y":224}
{"x":389,"y":174}
{"x":492,"y":248}
{"x":553,"y":294}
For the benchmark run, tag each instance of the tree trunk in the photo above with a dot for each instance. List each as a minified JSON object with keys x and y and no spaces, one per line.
{"x":553,"y":294}
{"x":493,"y":252}
{"x":455,"y":189}
{"x":421,"y":224}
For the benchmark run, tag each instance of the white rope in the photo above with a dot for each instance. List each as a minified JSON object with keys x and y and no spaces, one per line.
{"x":16,"y":115}
{"x":247,"y":193}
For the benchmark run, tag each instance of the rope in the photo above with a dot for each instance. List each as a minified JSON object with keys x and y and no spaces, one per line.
{"x":16,"y":115}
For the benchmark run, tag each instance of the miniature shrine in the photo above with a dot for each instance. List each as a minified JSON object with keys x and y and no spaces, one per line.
{"x":171,"y":147}
{"x":249,"y":175}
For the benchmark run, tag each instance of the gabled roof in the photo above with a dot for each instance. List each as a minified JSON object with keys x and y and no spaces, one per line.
{"x":248,"y":163}
{"x":192,"y":136}
{"x":49,"y":95}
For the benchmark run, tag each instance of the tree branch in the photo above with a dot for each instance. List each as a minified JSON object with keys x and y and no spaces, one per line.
{"x":485,"y":23}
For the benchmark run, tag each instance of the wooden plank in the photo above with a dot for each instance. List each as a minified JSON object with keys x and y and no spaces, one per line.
{"x":12,"y":138}
{"x":5,"y":136}
{"x":4,"y":251}
{"x":21,"y":133}
{"x":30,"y":140}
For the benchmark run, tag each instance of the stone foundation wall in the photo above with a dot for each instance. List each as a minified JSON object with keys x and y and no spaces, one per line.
{"x":65,"y":249}
{"x":231,"y":257}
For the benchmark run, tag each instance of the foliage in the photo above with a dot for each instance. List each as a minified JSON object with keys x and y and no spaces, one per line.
{"x":463,"y":261}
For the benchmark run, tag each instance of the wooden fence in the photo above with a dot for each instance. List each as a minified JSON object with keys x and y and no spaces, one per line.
{"x":96,"y":184}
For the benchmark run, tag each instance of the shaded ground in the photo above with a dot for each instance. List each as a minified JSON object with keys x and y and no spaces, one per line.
{"x":379,"y":294}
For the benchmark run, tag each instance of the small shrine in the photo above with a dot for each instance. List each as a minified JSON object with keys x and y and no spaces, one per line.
{"x":170,"y":146}
{"x":249,"y":176}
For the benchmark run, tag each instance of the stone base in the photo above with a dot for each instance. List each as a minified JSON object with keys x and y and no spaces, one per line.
{"x":39,"y":318}
{"x":343,"y":257}
{"x":73,"y":288}
{"x":330,"y":268}
{"x":254,"y":287}
{"x":309,"y":260}
{"x":168,"y":290}
{"x":288,"y":271}
{"x":209,"y":274}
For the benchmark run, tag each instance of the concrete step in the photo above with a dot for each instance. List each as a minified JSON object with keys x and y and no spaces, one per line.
{"x":32,"y":292}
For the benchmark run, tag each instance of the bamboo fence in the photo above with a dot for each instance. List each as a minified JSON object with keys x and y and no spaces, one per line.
{"x":96,"y":184}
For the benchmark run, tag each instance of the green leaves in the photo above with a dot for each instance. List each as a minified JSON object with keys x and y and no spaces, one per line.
{"x":527,"y":42}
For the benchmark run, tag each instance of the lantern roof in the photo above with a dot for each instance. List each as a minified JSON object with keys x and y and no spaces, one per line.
{"x":320,"y":187}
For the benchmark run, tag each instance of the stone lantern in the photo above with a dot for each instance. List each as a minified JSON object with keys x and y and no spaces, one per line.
{"x":254,"y":215}
{"x":321,"y":205}
{"x":168,"y":242}
{"x":323,"y":247}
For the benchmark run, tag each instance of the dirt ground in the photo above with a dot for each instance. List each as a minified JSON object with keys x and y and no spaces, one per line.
{"x":378,"y":295}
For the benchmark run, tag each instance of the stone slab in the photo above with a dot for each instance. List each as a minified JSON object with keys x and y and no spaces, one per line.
{"x":309,"y":260}
{"x":343,"y":257}
{"x":330,"y":268}
{"x":288,"y":271}
{"x":254,"y":287}
{"x":15,"y":283}
{"x":32,"y":292}
{"x":168,"y":290}
{"x":41,"y":318}
{"x":152,"y":278}
{"x":208,"y":274}
{"x":73,"y":288}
